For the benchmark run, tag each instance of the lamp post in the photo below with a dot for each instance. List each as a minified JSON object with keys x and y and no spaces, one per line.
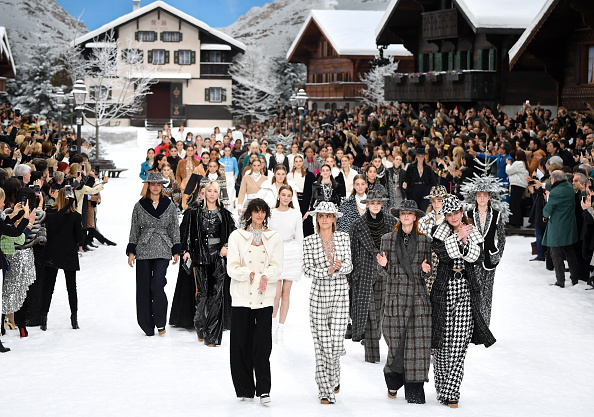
{"x":70,"y":99}
{"x":293,"y":102}
{"x":79,"y":91}
{"x":61,"y":105}
{"x":301,"y":102}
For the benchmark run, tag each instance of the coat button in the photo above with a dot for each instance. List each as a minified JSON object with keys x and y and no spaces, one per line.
{"x":250,"y":302}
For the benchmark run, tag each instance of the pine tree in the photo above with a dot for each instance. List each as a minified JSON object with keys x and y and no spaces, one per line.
{"x":288,"y":75}
{"x":255,"y":93}
{"x":374,"y":95}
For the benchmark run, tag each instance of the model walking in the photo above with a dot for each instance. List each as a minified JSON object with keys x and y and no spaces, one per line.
{"x":327,"y":261}
{"x":404,"y":265}
{"x":430,"y":220}
{"x":366,"y":285}
{"x":255,"y":264}
{"x":286,"y":220}
{"x":455,"y":300}
{"x":205,"y":232}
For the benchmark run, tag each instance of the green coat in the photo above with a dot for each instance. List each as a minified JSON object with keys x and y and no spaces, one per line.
{"x":560,"y":209}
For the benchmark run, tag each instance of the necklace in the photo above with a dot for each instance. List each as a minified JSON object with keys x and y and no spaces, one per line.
{"x":257,"y":235}
{"x":327,"y":189}
{"x":328,"y":246}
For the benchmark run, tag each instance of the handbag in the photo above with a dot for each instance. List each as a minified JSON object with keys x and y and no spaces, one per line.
{"x":187,"y":266}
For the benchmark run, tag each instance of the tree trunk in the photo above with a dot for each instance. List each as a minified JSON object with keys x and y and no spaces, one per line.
{"x":96,"y":141}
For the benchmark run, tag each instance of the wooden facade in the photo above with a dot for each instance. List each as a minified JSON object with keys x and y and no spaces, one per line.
{"x":561,"y":43}
{"x":456,"y":61}
{"x":7,"y":66}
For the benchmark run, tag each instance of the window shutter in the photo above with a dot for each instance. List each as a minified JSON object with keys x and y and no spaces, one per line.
{"x":492,"y":59}
{"x":420,"y":62}
{"x":176,"y":57}
{"x":192,"y":57}
{"x":161,"y":36}
{"x":468,"y":59}
{"x":181,"y":36}
{"x":458,"y":60}
{"x":167,"y":57}
{"x":155,"y":37}
{"x":223,"y":94}
{"x":149,"y":58}
{"x":578,"y":64}
{"x":450,"y":61}
{"x":438,"y":61}
{"x":136,"y":36}
{"x":479,"y":64}
{"x":207,"y":94}
{"x":430,"y":62}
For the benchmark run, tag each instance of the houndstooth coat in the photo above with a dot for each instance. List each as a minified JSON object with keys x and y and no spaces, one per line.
{"x":315,"y":262}
{"x":350,"y":214}
{"x":407,"y":311}
{"x":364,"y":273}
{"x":446,"y":248}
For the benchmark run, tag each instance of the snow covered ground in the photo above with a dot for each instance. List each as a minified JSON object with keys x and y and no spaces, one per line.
{"x":541,"y":364}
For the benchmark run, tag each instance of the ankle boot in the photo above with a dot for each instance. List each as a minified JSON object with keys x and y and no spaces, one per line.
{"x":74,"y":321}
{"x":43,"y":325}
{"x":3,"y":349}
{"x":23,"y":332}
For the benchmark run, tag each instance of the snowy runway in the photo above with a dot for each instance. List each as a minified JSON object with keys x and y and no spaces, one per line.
{"x":541,"y":364}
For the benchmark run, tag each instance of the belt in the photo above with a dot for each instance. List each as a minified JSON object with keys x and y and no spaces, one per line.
{"x":459,"y":274}
{"x":213,"y":241}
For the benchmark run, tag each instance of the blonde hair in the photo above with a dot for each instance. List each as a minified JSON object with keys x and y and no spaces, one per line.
{"x":61,"y":202}
{"x":206,"y":187}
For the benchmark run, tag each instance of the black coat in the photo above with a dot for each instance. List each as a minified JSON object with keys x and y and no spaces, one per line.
{"x":64,"y":234}
{"x":317,"y":195}
{"x":273,"y":163}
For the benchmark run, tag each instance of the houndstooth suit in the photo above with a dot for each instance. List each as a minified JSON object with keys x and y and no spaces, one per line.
{"x":328,"y":307}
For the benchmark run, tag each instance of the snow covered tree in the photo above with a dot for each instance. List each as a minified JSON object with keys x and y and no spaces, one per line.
{"x":255,"y":93}
{"x":288,"y":75}
{"x":32,"y":92}
{"x":116,"y":83}
{"x":374,"y":95}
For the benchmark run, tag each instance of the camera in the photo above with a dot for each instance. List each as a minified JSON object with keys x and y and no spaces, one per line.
{"x":51,"y":172}
{"x":37,"y":189}
{"x":68,"y":191}
{"x":584,"y":195}
{"x":97,"y":170}
{"x":78,"y":173}
{"x":24,"y":201}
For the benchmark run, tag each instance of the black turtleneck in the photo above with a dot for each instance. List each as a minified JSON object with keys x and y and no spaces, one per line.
{"x":376,"y":227}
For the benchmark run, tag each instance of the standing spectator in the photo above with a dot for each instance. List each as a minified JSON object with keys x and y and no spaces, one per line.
{"x":517,"y":172}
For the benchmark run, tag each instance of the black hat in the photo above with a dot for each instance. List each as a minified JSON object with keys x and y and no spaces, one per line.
{"x":375,"y":195}
{"x":407,"y":205}
{"x":419,"y":150}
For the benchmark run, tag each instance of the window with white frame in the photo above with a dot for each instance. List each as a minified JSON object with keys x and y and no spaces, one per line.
{"x":146,"y":36}
{"x":171,"y":36}
{"x":184,"y":58}
{"x":215,"y":95}
{"x":158,"y":57}
{"x":590,"y":64}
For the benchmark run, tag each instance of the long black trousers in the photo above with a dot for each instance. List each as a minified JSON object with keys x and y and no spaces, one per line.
{"x":151,"y":300}
{"x":50,"y":283}
{"x":251,"y":345}
{"x":209,"y":317}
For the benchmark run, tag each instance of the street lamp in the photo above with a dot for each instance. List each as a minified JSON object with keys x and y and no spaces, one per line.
{"x":293,"y":103}
{"x":61,"y":105}
{"x":301,"y":102}
{"x":70,"y":99}
{"x":79,"y":91}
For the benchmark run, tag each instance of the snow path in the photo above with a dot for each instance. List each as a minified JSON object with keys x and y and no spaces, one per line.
{"x":540,"y":366}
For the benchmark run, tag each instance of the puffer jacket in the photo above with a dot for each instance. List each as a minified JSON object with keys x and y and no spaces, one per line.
{"x":38,"y":235}
{"x":517,"y":174}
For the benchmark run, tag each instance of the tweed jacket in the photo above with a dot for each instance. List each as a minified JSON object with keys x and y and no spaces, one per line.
{"x":407,"y":310}
{"x":350,"y":214}
{"x":446,"y":247}
{"x":365,"y":272}
{"x":315,"y":261}
{"x":154,"y":233}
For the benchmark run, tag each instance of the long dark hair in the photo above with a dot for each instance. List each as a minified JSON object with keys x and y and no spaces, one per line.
{"x":332,"y":180}
{"x":257,"y":204}
{"x":279,"y":167}
{"x":358,"y":177}
{"x":464,"y":220}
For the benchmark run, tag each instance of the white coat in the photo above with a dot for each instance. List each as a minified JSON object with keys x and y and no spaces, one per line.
{"x":269,"y":193}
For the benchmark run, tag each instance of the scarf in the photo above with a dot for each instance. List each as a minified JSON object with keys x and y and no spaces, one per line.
{"x":213,"y":177}
{"x":376,"y":227}
{"x":358,"y":199}
{"x":256,"y":176}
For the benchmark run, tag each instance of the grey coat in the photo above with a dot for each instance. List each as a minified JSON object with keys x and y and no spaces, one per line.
{"x":364,"y":273}
{"x":407,"y":311}
{"x":154,"y":233}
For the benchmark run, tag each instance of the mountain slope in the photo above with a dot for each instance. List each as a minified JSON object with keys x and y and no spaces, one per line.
{"x":275,"y":25}
{"x":36,"y":25}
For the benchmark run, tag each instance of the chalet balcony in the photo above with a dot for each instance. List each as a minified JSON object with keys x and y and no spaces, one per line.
{"x":453,"y":86}
{"x":2,"y":85}
{"x":214,"y":70}
{"x":333,"y":91}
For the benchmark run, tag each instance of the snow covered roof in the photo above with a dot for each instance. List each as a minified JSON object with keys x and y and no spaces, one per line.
{"x":484,"y":14}
{"x":5,"y":51}
{"x":349,"y":31}
{"x":149,"y":8}
{"x":522,"y":43}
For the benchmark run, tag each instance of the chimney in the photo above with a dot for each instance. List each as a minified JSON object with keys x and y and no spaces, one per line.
{"x":135,"y":5}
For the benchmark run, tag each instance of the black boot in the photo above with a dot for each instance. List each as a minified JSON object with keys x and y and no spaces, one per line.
{"x":43,"y":324}
{"x":349,"y":331}
{"x":109,"y":243}
{"x":23,"y":332}
{"x":3,"y":349}
{"x":414,"y":392}
{"x":74,"y":321}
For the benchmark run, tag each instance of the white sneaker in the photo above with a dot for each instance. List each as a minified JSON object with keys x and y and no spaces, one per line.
{"x":246,"y":399}
{"x":279,"y":337}
{"x":265,"y":399}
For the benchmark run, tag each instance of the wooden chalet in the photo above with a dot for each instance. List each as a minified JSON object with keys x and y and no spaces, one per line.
{"x":7,"y":68}
{"x":337,"y":46}
{"x":461,"y":52}
{"x":560,"y":41}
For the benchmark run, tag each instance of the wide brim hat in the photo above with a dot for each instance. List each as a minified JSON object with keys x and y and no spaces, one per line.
{"x":375,"y":195}
{"x":419,"y":150}
{"x":155,"y":177}
{"x":407,"y":205}
{"x":437,"y":191}
{"x":326,"y":207}
{"x":486,"y":184}
{"x":450,"y":204}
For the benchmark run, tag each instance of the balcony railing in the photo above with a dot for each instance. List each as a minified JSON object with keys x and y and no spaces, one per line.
{"x":463,"y":86}
{"x":333,"y":91}
{"x":2,"y":85}
{"x":215,"y":69}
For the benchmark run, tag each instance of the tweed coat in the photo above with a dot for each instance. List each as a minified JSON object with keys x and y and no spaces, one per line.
{"x":407,"y":310}
{"x":365,"y":272}
{"x":350,"y":214}
{"x":444,"y":245}
{"x":315,"y":262}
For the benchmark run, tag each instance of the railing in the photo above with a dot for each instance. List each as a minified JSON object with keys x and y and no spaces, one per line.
{"x":333,"y":91}
{"x":214,"y":69}
{"x":461,"y":86}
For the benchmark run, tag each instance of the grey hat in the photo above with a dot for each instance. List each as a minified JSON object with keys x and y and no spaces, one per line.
{"x":407,"y":205}
{"x":437,"y":191}
{"x":154,"y":177}
{"x":326,"y":207}
{"x":450,"y":204}
{"x":375,"y":195}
